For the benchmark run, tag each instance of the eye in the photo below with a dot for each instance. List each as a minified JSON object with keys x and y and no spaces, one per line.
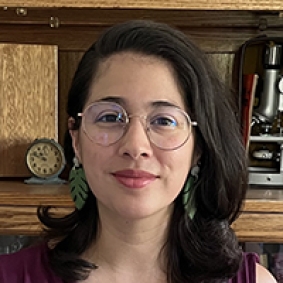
{"x":110,"y":117}
{"x":163,"y":121}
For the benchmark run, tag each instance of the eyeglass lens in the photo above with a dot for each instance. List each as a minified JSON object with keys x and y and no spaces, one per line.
{"x":168,"y":127}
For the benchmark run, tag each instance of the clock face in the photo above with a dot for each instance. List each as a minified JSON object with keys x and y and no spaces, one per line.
{"x":45,"y":159}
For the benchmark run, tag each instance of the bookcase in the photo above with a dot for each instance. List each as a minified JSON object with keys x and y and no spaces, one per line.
{"x":220,"y":28}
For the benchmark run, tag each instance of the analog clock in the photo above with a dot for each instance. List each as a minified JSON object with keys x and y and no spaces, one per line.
{"x":45,"y":159}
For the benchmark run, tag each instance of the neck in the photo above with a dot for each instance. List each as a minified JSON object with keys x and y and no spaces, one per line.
{"x":131,"y":248}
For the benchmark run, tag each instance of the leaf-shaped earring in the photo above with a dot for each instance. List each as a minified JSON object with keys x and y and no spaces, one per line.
{"x":188,"y":198}
{"x":78,"y":185}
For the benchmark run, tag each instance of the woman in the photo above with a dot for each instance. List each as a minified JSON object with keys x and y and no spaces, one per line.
{"x":159,"y":170}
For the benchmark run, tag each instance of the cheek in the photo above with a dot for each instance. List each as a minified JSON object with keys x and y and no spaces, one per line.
{"x":178,"y":165}
{"x":182,"y":166}
{"x":88,"y":152}
{"x":94,"y":157}
{"x":184,"y":156}
{"x":93,"y":164}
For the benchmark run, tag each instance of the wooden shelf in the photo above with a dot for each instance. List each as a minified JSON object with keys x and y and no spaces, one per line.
{"x":262,"y":217}
{"x":220,"y":27}
{"x":261,"y":220}
{"x":19,"y":201}
{"x":276,"y":5}
{"x":20,"y":194}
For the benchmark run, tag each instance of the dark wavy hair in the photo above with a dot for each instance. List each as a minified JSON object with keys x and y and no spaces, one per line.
{"x":202,"y":249}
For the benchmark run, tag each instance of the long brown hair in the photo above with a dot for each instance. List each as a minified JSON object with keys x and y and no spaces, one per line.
{"x":202,"y":249}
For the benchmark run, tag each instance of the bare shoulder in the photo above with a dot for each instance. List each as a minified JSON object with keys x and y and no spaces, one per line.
{"x":263,"y":275}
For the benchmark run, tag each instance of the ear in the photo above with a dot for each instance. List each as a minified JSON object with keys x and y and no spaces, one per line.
{"x":75,"y":138}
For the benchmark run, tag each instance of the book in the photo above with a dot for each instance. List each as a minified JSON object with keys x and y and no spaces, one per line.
{"x":248,"y":98}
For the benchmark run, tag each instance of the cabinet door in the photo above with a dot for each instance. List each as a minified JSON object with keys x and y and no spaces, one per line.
{"x":28,"y":102}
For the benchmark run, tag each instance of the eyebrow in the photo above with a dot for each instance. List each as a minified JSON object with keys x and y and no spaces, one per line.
{"x":122,"y":101}
{"x":116,"y":99}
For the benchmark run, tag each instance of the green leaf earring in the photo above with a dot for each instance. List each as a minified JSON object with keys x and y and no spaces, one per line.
{"x":188,"y":197}
{"x":78,"y":185}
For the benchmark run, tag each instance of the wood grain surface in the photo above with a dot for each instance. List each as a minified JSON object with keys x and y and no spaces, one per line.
{"x":19,"y":202}
{"x":28,"y":102}
{"x":153,"y":4}
{"x":259,"y":227}
{"x":22,"y":220}
{"x":220,"y":31}
{"x":260,"y":221}
{"x":17,"y":193}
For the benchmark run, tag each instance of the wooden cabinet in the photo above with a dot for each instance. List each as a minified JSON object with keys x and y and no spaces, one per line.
{"x":262,"y":217}
{"x":28,"y":74}
{"x":219,"y":28}
{"x":19,"y":202}
{"x":275,"y":5}
{"x":261,"y":220}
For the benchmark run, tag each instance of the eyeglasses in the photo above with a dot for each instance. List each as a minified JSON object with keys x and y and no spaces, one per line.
{"x":167,"y":127}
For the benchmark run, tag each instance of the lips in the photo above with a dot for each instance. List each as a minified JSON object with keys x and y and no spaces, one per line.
{"x":134,"y":179}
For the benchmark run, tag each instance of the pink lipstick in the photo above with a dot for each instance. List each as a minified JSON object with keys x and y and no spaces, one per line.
{"x":134,"y":179}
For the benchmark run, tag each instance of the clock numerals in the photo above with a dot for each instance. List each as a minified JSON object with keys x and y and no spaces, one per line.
{"x":45,"y":159}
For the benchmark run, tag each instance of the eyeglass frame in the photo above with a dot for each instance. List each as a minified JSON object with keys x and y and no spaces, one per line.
{"x":147,"y":129}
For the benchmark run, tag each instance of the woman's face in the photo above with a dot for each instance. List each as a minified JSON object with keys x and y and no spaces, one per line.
{"x":133,"y":178}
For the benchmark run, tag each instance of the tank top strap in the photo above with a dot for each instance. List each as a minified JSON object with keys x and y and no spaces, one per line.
{"x":247,"y":271}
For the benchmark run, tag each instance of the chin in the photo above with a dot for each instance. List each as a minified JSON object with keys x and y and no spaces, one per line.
{"x":145,"y":213}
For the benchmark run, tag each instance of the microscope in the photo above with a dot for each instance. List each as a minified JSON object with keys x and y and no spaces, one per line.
{"x":265,"y":150}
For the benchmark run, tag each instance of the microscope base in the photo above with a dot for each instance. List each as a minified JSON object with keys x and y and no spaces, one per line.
{"x":271,"y":179}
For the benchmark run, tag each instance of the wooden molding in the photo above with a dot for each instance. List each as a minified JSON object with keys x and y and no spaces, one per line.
{"x":153,"y":4}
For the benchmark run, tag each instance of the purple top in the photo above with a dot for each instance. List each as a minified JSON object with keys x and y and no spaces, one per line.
{"x":30,"y":265}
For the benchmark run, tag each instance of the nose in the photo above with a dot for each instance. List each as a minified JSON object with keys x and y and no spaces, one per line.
{"x":135,"y":142}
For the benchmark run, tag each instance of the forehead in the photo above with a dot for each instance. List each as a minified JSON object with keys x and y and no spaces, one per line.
{"x":128,"y":58}
{"x":136,"y":78}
